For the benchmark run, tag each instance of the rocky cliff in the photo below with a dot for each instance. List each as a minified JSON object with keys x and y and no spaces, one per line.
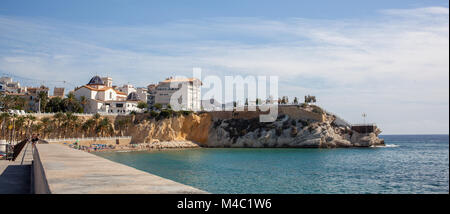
{"x":178,"y":128}
{"x":286,"y":131}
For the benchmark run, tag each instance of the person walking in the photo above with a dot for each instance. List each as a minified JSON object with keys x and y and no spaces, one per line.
{"x":34,"y":139}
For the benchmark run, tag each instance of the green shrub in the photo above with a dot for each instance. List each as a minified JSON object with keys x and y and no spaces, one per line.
{"x":154,"y":114}
{"x":165,"y":113}
{"x":186,"y":113}
{"x":158,"y":106}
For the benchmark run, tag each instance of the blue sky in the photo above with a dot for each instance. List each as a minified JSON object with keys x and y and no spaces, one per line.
{"x":131,"y":12}
{"x":386,"y":58}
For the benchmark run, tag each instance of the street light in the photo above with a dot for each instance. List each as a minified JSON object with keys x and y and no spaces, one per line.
{"x":364,"y":115}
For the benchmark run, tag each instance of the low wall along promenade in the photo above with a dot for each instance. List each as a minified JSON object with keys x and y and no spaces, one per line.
{"x":59,"y":169}
{"x":114,"y":141}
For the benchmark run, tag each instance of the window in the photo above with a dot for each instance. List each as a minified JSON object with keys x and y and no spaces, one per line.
{"x":119,"y":105}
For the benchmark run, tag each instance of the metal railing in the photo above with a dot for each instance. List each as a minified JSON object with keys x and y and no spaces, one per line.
{"x":338,"y":119}
{"x":85,"y":138}
{"x":365,"y":124}
{"x":76,"y":114}
{"x":18,"y":148}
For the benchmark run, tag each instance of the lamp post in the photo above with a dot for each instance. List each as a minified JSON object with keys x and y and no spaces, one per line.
{"x":364,"y":115}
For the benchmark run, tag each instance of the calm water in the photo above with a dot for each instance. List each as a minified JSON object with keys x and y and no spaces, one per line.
{"x":410,"y":164}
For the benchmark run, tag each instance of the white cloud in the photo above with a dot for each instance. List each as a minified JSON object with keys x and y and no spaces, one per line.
{"x":393,"y":67}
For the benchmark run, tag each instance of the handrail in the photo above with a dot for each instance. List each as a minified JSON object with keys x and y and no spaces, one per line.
{"x":86,"y":138}
{"x":18,"y":148}
{"x":338,"y":118}
{"x":365,"y":124}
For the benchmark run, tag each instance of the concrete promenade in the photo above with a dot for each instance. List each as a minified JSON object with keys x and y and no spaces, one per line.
{"x":15,"y":176}
{"x":60,"y":169}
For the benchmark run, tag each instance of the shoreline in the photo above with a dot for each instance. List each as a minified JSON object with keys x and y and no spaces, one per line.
{"x":154,"y":146}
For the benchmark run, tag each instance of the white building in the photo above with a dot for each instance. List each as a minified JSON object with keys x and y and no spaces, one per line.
{"x":190,"y":99}
{"x":101,"y":97}
{"x":7,"y":85}
{"x":127,"y":89}
{"x":142,"y":93}
{"x":107,"y":81}
{"x":151,"y":94}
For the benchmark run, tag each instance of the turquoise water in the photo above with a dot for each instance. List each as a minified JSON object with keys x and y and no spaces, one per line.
{"x":410,"y":164}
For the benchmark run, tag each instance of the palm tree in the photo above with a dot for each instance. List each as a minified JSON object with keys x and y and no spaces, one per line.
{"x":37,"y":128}
{"x":69,"y":101}
{"x":104,"y":126}
{"x":46,"y":126}
{"x":19,"y":124}
{"x":96,"y":116}
{"x":72,"y":122}
{"x":12,"y":102}
{"x":4,"y":117}
{"x":13,"y":128}
{"x":43,"y":100}
{"x":19,"y":102}
{"x":88,"y":126}
{"x":30,"y":119}
{"x":83,"y":102}
{"x":58,"y":119}
{"x":122,"y":124}
{"x":76,"y":124}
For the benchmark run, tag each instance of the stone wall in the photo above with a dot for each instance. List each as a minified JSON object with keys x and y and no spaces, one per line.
{"x":295,"y":112}
{"x":114,"y":142}
{"x":298,"y":112}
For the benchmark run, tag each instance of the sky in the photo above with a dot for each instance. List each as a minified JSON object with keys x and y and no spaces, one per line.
{"x":388,"y":59}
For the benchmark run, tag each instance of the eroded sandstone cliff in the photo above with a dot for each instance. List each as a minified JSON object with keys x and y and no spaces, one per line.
{"x":178,"y":128}
{"x":286,"y":131}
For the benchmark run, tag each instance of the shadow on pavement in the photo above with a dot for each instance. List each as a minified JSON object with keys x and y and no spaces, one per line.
{"x":15,"y":179}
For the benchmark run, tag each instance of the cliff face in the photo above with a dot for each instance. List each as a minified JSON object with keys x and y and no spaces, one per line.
{"x":284,"y":132}
{"x":192,"y":127}
{"x":287,"y":132}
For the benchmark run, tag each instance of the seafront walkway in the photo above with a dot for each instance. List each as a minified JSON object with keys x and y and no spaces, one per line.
{"x":60,"y":169}
{"x":15,"y":176}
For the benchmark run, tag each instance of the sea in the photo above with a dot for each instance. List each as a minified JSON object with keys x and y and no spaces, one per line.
{"x":411,"y":164}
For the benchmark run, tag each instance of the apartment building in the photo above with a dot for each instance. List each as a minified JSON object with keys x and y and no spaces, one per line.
{"x":190,"y":98}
